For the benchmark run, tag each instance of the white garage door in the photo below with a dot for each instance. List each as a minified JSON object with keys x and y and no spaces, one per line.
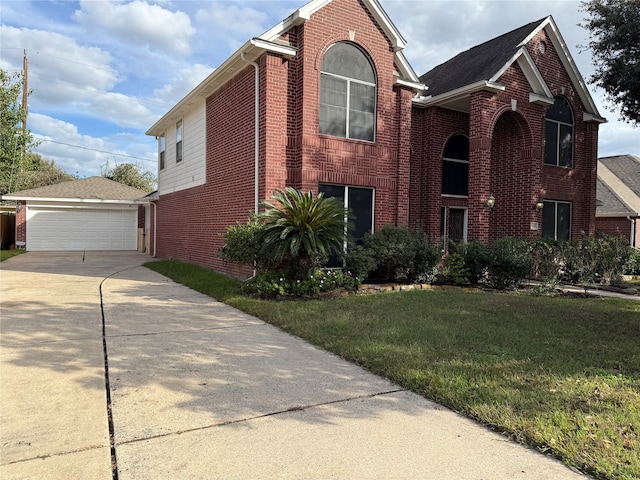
{"x":81,"y":229}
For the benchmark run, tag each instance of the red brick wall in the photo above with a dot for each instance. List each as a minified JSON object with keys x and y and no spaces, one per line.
{"x":21,"y":222}
{"x":619,"y":227}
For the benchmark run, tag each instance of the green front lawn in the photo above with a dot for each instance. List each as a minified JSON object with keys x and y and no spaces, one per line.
{"x":560,"y":374}
{"x":5,"y":254}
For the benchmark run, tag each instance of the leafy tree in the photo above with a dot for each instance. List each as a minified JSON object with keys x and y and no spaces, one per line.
{"x":614,"y":28}
{"x":302,"y":231}
{"x":129,"y":174}
{"x":14,"y":140}
{"x":42,"y":172}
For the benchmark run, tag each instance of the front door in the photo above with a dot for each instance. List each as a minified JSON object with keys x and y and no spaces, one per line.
{"x":457,"y":227}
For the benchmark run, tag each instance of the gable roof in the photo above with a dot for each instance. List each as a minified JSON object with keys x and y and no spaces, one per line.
{"x":478,"y":63}
{"x":270,"y":41}
{"x":618,"y":186}
{"x":480,"y":68}
{"x":92,"y":189}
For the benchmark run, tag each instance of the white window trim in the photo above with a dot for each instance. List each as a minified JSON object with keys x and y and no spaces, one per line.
{"x":180,"y":128}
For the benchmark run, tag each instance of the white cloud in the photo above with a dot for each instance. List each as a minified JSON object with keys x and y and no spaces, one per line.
{"x":232,"y":23}
{"x":185,"y":81}
{"x":119,"y":109}
{"x":86,"y":155}
{"x":138,"y":24}
{"x":60,"y":70}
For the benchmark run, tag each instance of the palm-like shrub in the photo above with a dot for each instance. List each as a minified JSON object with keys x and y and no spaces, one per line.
{"x":302,"y":231}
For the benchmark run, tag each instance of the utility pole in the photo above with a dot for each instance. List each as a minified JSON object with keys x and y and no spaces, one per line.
{"x":25,"y":94}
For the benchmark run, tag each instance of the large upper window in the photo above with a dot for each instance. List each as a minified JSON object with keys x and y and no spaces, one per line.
{"x":556,"y":220}
{"x":455,"y":166}
{"x":558,"y":149}
{"x":161,"y":150}
{"x":179,"y":141}
{"x":347,"y":93}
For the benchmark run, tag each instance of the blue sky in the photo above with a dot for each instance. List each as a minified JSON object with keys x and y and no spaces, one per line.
{"x":103,"y":71}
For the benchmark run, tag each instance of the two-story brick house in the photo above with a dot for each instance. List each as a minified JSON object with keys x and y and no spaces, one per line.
{"x":501,"y":140}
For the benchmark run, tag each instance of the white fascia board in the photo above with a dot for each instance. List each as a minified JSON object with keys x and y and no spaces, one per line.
{"x":76,"y":200}
{"x":397,"y":40}
{"x":406,"y":70}
{"x":296,"y":18}
{"x":266,"y":46}
{"x":569,"y":64}
{"x":543,"y":24}
{"x":530,"y":70}
{"x":630,"y":213}
{"x":460,"y":92}
{"x":589,"y":117}
{"x":541,"y":99}
{"x":415,"y":86}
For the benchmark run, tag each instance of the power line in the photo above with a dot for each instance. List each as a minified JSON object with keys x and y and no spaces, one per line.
{"x":94,"y":149}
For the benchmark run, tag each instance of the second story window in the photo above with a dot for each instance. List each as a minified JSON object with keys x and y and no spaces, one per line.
{"x":179,"y":141}
{"x":558,"y":148}
{"x":347,"y":93}
{"x":161,"y":149}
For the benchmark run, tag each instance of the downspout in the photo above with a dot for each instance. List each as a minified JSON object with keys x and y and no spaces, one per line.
{"x":256,"y":137}
{"x":155,"y":228}
{"x":632,"y":237}
{"x":257,"y":129}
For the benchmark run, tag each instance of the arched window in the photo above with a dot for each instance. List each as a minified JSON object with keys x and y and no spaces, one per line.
{"x":558,"y":149}
{"x":455,"y":166}
{"x":347,"y":93}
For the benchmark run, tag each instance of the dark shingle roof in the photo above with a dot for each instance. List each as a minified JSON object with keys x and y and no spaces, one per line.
{"x":94,"y":188}
{"x":478,"y":63}
{"x":626,"y":168}
{"x":611,"y":204}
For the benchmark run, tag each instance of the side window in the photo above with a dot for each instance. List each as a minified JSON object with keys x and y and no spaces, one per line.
{"x":455,"y":167}
{"x":347,"y":93}
{"x":556,"y":220}
{"x":179,"y":141}
{"x":161,"y":150}
{"x":360,"y":201}
{"x":558,"y":148}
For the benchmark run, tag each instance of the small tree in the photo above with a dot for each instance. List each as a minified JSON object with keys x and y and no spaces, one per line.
{"x":302,"y":231}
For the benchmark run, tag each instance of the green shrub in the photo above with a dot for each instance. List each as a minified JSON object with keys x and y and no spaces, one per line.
{"x":425,"y":261}
{"x":360,"y":261}
{"x":454,"y":270}
{"x":242,"y":244}
{"x":509,"y":263}
{"x":632,"y":267}
{"x":394,"y":252}
{"x":280,"y":284}
{"x":476,"y":259}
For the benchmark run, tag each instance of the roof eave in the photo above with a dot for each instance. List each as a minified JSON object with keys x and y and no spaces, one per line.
{"x":75,"y":200}
{"x":458,"y":93}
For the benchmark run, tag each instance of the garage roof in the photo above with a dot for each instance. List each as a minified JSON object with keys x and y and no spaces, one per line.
{"x":98,"y":189}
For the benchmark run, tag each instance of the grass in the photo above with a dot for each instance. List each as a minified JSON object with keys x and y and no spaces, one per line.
{"x":5,"y":254}
{"x":559,"y":374}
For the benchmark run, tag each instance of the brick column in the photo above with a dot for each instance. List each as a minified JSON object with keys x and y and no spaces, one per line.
{"x":479,"y":167}
{"x":403,"y":156}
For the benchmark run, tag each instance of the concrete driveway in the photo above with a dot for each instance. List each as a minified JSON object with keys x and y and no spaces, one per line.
{"x":111,"y":371}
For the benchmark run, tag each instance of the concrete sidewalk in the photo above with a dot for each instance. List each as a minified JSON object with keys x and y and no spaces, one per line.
{"x":200,"y":390}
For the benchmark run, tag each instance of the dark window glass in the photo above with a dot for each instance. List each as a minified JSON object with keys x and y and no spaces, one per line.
{"x":347,"y":93}
{"x":558,"y":148}
{"x":360,"y":201}
{"x":455,"y":166}
{"x":556,"y":220}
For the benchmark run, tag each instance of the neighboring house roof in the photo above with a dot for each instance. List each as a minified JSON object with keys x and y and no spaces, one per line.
{"x":92,"y":189}
{"x":270,"y":42}
{"x":480,"y":68}
{"x":618,"y":187}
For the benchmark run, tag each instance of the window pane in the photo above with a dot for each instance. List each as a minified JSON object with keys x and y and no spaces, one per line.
{"x":455,"y":178}
{"x":362,"y":106}
{"x":457,"y":147}
{"x":361,"y":204}
{"x":564,"y":221}
{"x":549,"y":220}
{"x":560,"y":111}
{"x":331,"y":191}
{"x":333,"y":106}
{"x":347,"y":60}
{"x":566,"y":145}
{"x":551,"y":143}
{"x":179,"y":152}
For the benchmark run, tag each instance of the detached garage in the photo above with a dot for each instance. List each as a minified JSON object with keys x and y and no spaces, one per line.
{"x":89,"y":214}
